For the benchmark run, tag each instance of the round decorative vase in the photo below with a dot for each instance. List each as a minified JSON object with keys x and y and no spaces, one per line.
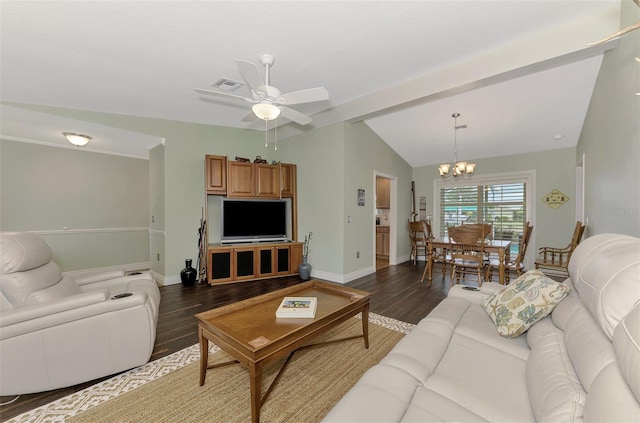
{"x":188,"y":274}
{"x":304,"y":269}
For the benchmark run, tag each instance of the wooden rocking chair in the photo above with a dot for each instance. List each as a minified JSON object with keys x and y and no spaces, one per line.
{"x":556,"y":260}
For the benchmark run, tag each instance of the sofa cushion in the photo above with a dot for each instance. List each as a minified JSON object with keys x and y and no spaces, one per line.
{"x":382,"y":394}
{"x":555,"y":391}
{"x":605,"y":271}
{"x":22,"y":251}
{"x":483,"y":380}
{"x":530,"y":298}
{"x":626,"y":342}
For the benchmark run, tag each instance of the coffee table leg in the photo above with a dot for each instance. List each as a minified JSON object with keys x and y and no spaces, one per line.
{"x":204,"y":355}
{"x":255,"y":380}
{"x":365,"y":325}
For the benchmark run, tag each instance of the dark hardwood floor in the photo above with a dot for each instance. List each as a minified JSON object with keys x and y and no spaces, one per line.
{"x":396,"y":292}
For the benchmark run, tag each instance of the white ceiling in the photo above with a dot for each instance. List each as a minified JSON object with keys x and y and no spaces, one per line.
{"x":519,"y":72}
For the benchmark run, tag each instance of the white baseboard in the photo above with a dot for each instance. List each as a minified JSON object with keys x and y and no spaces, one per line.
{"x":335,"y":277}
{"x":402,"y":259}
{"x":167,"y":280}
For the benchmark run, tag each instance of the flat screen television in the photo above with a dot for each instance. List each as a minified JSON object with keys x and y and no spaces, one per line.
{"x":253,"y":221}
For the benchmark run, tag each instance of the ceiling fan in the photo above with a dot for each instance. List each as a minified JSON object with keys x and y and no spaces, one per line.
{"x":268,"y":102}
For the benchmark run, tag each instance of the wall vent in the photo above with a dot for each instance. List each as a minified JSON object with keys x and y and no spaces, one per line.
{"x":226,"y":84}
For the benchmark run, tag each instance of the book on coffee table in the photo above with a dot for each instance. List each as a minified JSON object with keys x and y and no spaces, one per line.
{"x":297,"y":307}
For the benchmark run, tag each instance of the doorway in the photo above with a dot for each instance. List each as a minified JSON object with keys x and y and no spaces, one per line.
{"x":384,"y":221}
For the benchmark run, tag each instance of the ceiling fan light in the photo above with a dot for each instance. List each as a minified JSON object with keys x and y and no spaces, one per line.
{"x":266,"y":111}
{"x":79,"y":140}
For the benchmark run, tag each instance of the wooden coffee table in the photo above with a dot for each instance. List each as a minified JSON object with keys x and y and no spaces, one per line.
{"x":250,"y":332}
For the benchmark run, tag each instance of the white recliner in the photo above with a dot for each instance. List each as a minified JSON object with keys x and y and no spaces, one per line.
{"x":56,"y":331}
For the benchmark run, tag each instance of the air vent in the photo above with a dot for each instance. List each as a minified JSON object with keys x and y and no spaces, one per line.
{"x":226,"y":84}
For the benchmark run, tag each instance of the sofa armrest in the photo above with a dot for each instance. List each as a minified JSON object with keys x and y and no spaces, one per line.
{"x":70,"y":309}
{"x":97,"y":277}
{"x":474,"y":295}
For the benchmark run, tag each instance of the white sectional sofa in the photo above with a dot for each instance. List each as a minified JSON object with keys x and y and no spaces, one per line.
{"x":580,"y":363}
{"x":56,"y":331}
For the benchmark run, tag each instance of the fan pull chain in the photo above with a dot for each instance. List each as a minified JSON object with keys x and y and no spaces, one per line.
{"x":275,"y":134}
{"x":266,"y":134}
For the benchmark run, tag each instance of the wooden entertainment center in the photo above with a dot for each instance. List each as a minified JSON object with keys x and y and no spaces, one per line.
{"x":246,"y":180}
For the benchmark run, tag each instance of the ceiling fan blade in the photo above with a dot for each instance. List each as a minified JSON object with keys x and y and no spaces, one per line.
{"x":295,"y":116}
{"x":220,"y":94}
{"x":306,"y":96}
{"x":250,"y":117}
{"x":251,"y":75}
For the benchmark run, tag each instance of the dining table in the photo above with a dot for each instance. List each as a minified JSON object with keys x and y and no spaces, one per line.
{"x":491,"y":246}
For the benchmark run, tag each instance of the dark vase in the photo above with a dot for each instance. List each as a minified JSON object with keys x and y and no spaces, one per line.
{"x":304,"y":269}
{"x":188,"y":274}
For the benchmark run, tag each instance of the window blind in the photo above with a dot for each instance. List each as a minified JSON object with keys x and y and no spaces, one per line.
{"x":503,"y":205}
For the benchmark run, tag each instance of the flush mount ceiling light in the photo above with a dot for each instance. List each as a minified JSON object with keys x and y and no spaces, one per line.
{"x":78,"y":140}
{"x":266,"y":110}
{"x":459,"y":168}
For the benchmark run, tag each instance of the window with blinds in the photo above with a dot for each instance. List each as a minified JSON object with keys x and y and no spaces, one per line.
{"x":503,"y":205}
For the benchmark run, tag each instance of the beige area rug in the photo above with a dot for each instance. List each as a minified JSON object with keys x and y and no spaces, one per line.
{"x":167,"y":390}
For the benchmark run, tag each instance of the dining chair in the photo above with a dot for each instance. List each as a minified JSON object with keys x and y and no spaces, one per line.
{"x":418,"y":243}
{"x":515,"y":265}
{"x":439,"y":255}
{"x":556,"y":260}
{"x":466,"y":246}
{"x":485,"y":228}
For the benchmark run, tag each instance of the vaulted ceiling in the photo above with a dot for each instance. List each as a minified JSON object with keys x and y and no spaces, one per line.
{"x":520,"y":73}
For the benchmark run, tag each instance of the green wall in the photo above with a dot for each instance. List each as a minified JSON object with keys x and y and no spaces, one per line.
{"x":157,"y":211}
{"x":90,"y":208}
{"x":320,"y":160}
{"x":333,"y":163}
{"x":610,"y":138}
{"x":367,"y":155}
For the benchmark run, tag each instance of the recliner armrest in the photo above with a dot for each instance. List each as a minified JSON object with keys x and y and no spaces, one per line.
{"x":70,"y":309}
{"x":97,"y":277}
{"x":21,"y":314}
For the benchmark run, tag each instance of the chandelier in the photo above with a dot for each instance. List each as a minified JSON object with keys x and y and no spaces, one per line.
{"x":459,"y":168}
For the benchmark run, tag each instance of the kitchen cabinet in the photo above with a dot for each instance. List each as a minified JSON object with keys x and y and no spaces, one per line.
{"x":383,"y":193}
{"x":382,"y":242}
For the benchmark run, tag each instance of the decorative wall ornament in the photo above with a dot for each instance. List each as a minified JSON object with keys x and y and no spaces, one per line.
{"x":360,"y":197}
{"x":555,"y":199}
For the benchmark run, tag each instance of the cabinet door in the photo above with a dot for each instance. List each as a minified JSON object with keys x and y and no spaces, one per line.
{"x":385,"y":244}
{"x":266,"y":261}
{"x":267,"y":183}
{"x":383,"y":193}
{"x":244,"y":263}
{"x":287,"y":180}
{"x":240,"y":179}
{"x":216,"y":175}
{"x":379,"y":243}
{"x":295,"y":256}
{"x":283,"y":260}
{"x":220,"y":265}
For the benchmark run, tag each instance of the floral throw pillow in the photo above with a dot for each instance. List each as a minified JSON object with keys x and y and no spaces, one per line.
{"x":515,"y":308}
